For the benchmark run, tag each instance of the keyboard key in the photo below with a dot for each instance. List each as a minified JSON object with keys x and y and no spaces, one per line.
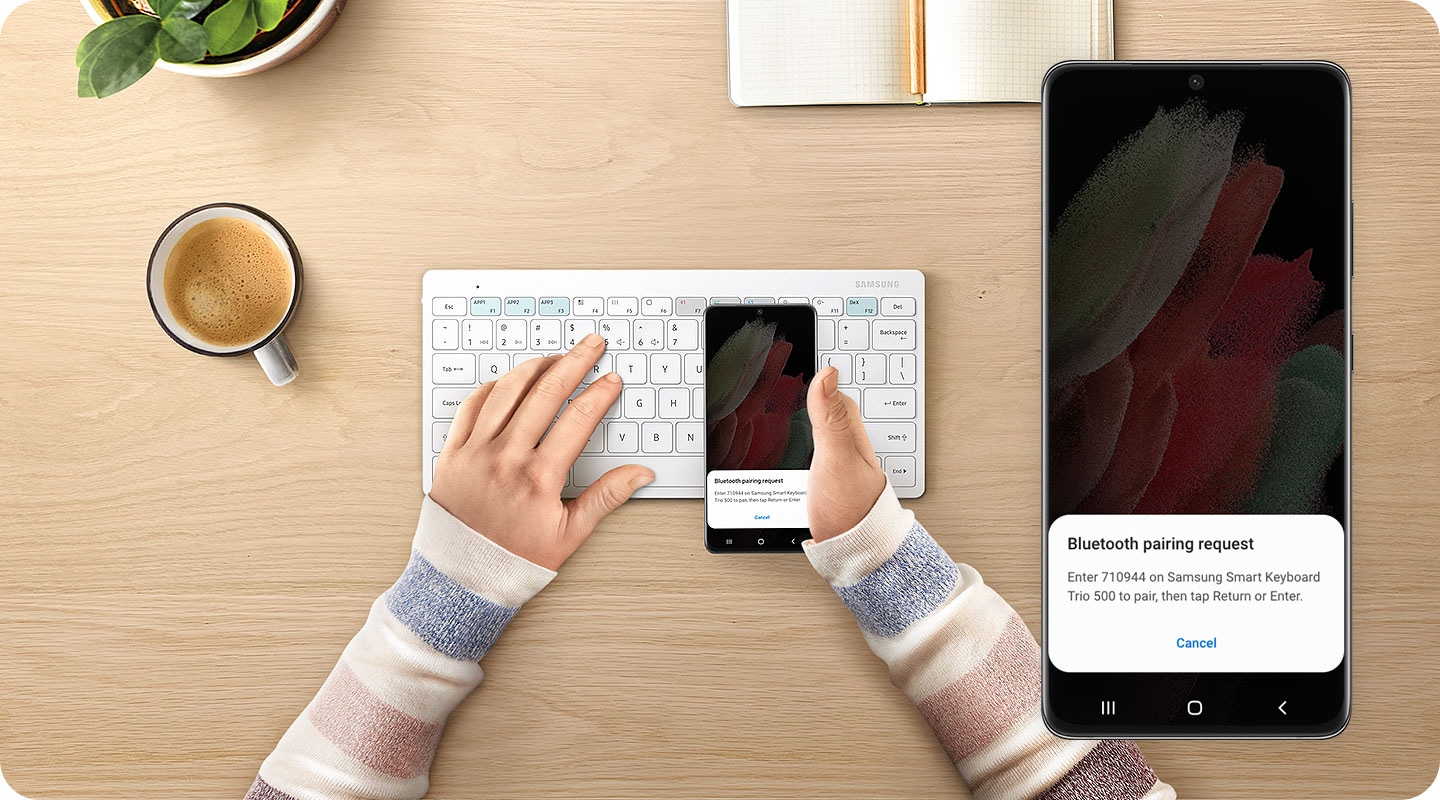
{"x":825,"y":334}
{"x":690,"y":437}
{"x":891,"y":437}
{"x":545,"y":334}
{"x":588,"y":307}
{"x":893,"y":334}
{"x":445,"y":402}
{"x":889,"y":404}
{"x":623,"y":306}
{"x":620,"y":437}
{"x":596,"y":443}
{"x":649,"y":334}
{"x":853,"y":334}
{"x":577,"y":329}
{"x":901,"y":470}
{"x":690,"y":306}
{"x":521,"y":358}
{"x":554,"y":306}
{"x":616,"y":333}
{"x":632,"y":368}
{"x":477,"y":334}
{"x":694,"y":368}
{"x":439,"y":432}
{"x":669,"y":470}
{"x":519,"y":306}
{"x":684,"y":334}
{"x":657,"y":437}
{"x":493,"y":365}
{"x":902,"y":368}
{"x":665,"y":369}
{"x":697,"y":401}
{"x":841,"y":362}
{"x":510,"y":335}
{"x":829,"y":306}
{"x":861,"y":307}
{"x":640,"y":403}
{"x":602,"y":367}
{"x":448,"y":306}
{"x":613,"y":412}
{"x":794,"y":301}
{"x":724,"y":301}
{"x":674,"y":403}
{"x":484,"y":306}
{"x":453,"y":368}
{"x":870,"y":369}
{"x":655,"y":306}
{"x":759,"y":301}
{"x":445,"y":334}
{"x":853,"y":394}
{"x":897,"y":306}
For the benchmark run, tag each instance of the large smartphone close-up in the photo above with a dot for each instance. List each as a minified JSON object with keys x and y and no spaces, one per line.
{"x":1196,"y":509}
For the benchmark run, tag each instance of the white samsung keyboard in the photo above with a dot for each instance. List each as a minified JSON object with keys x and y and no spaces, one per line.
{"x":480,"y":323}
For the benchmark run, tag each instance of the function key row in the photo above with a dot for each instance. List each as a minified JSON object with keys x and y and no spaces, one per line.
{"x":659,"y":306}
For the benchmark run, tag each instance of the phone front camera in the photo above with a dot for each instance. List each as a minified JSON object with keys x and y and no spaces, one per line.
{"x":1197,"y":82}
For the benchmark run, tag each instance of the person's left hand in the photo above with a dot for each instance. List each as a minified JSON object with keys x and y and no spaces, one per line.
{"x":501,"y":473}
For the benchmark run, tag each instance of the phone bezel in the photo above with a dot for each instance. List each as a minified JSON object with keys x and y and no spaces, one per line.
{"x":775,"y":540}
{"x":1334,"y":723}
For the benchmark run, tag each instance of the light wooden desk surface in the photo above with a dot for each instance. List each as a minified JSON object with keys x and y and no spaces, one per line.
{"x":186,"y":549}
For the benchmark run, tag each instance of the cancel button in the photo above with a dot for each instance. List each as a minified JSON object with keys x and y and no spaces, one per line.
{"x":1196,"y":644}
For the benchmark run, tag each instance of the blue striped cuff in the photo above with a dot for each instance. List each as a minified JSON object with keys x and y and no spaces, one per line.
{"x":447,"y":616}
{"x":906,"y":587}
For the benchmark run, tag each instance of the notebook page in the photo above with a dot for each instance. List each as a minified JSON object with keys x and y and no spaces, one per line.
{"x":999,"y":50}
{"x":808,"y":52}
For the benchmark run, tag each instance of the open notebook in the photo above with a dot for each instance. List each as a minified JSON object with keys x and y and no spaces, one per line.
{"x":811,"y":52}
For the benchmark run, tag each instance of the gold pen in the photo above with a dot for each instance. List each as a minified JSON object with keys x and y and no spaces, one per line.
{"x":917,"y":46}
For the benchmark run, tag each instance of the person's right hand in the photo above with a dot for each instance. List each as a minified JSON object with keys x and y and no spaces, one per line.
{"x":845,"y":478}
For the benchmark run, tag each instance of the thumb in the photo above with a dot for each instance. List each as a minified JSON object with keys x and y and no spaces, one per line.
{"x":602,"y":497}
{"x":834,"y":417}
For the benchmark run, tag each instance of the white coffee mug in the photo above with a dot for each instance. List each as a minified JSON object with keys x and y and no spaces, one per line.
{"x":270,"y":349}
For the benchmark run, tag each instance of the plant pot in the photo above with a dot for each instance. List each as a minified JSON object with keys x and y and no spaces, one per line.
{"x":304,"y":23}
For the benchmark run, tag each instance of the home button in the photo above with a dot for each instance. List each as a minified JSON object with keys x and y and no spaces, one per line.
{"x":1195,"y":708}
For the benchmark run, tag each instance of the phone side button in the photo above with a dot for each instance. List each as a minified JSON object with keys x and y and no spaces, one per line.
{"x":1352,"y":354}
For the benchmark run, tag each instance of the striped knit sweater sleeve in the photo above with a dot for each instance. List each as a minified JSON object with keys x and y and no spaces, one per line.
{"x":372,"y":730}
{"x":967,"y":661}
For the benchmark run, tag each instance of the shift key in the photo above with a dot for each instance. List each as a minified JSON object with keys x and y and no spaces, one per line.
{"x":889,"y":403}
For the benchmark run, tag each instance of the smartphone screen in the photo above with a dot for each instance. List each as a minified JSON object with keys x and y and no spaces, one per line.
{"x":1197,"y":400}
{"x":759,"y":360}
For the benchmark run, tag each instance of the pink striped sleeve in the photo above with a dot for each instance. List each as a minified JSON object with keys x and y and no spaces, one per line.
{"x":373,"y":728}
{"x":970,"y":665}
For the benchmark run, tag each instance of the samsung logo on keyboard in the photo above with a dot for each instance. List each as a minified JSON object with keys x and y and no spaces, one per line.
{"x":877,"y":284}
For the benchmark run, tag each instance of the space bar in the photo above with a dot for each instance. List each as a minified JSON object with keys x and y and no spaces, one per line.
{"x":669,"y":470}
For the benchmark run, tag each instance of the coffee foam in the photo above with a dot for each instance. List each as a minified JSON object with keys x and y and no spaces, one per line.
{"x":227,"y":282}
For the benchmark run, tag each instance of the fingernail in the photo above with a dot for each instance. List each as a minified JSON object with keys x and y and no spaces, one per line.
{"x":642,"y":480}
{"x":831,"y":382}
{"x":592,"y":340}
{"x":611,"y":377}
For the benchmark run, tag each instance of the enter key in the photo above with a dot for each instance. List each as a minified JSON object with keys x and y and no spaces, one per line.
{"x":889,"y":403}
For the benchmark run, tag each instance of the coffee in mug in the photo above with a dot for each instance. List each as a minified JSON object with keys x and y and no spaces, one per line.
{"x":224,"y":279}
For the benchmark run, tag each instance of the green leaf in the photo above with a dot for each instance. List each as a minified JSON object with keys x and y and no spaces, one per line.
{"x":184,"y":9}
{"x":116,"y":54}
{"x":268,"y":13}
{"x":231,"y":27}
{"x":181,"y":41}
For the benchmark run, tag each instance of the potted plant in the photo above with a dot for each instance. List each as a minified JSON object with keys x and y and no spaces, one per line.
{"x":214,"y":38}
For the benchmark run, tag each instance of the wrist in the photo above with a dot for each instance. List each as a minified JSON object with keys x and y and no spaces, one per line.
{"x":857,"y":552}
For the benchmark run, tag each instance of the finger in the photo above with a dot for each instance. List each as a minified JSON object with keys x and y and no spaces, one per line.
{"x":578,"y":423}
{"x":552,"y":389}
{"x":466,"y":414}
{"x":509,"y":390}
{"x":606,"y":494}
{"x":834,"y":417}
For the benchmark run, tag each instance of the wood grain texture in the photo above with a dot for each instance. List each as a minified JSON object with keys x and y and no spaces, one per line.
{"x":187,"y":549}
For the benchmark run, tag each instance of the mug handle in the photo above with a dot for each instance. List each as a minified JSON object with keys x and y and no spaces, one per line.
{"x":277,"y":361}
